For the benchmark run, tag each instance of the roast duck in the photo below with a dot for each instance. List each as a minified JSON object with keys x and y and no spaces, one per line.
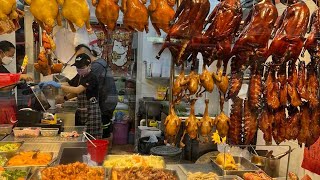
{"x":161,"y":14}
{"x":172,"y":126}
{"x":191,"y":125}
{"x":46,"y":13}
{"x":188,"y":21}
{"x":135,"y":15}
{"x":252,"y":46}
{"x":235,"y":128}
{"x":107,"y":13}
{"x":206,"y":123}
{"x":76,"y":12}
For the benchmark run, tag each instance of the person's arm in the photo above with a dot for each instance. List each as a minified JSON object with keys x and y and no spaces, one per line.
{"x":26,"y":77}
{"x":74,"y":90}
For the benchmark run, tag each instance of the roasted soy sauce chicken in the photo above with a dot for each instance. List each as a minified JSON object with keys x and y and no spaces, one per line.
{"x":252,"y":46}
{"x":76,"y":12}
{"x":9,"y":10}
{"x":191,"y":125}
{"x":206,"y":123}
{"x":289,"y":32}
{"x":222,"y":123}
{"x":172,"y":126}
{"x":206,"y":81}
{"x":188,"y":21}
{"x":107,"y":13}
{"x":161,"y":14}
{"x":135,"y":15}
{"x":179,"y":86}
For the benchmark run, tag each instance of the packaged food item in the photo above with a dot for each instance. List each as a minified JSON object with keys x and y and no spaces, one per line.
{"x":49,"y":132}
{"x":26,"y":131}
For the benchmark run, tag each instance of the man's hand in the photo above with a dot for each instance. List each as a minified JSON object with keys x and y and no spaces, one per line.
{"x":26,"y":77}
{"x":49,"y":83}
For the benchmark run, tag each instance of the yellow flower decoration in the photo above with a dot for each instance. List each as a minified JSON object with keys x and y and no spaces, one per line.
{"x":216,"y":139}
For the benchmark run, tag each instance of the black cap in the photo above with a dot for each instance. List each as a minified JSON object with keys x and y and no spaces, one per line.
{"x":82,"y":60}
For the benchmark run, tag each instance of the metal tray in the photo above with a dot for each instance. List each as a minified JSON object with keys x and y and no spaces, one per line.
{"x":25,"y":168}
{"x":230,"y":177}
{"x":109,"y":157}
{"x":37,"y":173}
{"x":174,"y":172}
{"x":9,"y":154}
{"x":6,"y":165}
{"x":244,"y":166}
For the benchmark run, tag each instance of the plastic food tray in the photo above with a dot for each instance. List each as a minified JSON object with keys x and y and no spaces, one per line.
{"x":243,"y":164}
{"x":49,"y":132}
{"x":9,"y":154}
{"x":5,"y":129}
{"x":26,"y":131}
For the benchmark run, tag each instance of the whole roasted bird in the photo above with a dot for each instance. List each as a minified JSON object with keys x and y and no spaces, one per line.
{"x":45,"y":12}
{"x":135,"y":15}
{"x":235,"y":128}
{"x":206,"y":123}
{"x":222,"y":123}
{"x":193,"y":81}
{"x":252,"y":46}
{"x":76,"y":12}
{"x":206,"y":81}
{"x":191,"y":125}
{"x":161,"y":13}
{"x":312,"y":84}
{"x":107,"y":13}
{"x":222,"y":82}
{"x":289,"y":32}
{"x":179,"y":87}
{"x":250,"y":123}
{"x":188,"y":21}
{"x":9,"y":10}
{"x":172,"y":125}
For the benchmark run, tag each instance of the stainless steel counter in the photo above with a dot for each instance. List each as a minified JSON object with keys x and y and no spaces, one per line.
{"x":41,"y":139}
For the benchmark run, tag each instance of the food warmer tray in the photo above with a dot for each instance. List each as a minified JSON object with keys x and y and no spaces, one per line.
{"x":36,"y":175}
{"x":8,"y":154}
{"x":18,"y":166}
{"x":109,"y":157}
{"x":244,"y":166}
{"x":174,"y":172}
{"x":24,"y":168}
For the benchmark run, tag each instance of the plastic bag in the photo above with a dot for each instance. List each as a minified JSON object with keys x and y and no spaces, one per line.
{"x":81,"y":37}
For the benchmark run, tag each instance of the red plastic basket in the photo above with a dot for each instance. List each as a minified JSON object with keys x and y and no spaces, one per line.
{"x":97,"y":148}
{"x":7,"y":79}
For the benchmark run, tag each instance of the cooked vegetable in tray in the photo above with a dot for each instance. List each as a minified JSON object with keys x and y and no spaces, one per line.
{"x":3,"y":160}
{"x":127,"y":161}
{"x":12,"y":174}
{"x":9,"y":147}
{"x":30,"y":158}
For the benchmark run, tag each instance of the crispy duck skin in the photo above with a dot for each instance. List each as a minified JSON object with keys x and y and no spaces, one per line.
{"x":236,"y":82}
{"x":295,"y":99}
{"x":250,"y":123}
{"x":235,"y":129}
{"x":189,"y":21}
{"x":272,"y":90}
{"x":289,"y":33}
{"x":293,"y":123}
{"x":312,"y":85}
{"x":314,"y":126}
{"x":278,"y":131}
{"x":304,"y":133}
{"x":302,"y":84}
{"x":255,"y":89}
{"x":265,"y":124}
{"x":282,"y":78}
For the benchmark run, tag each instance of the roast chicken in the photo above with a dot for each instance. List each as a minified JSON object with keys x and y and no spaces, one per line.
{"x":191,"y":125}
{"x":8,"y":9}
{"x":135,"y":15}
{"x":222,"y":123}
{"x":161,"y":14}
{"x":76,"y":12}
{"x":188,"y":21}
{"x":289,"y":33}
{"x":222,"y":82}
{"x":250,"y":123}
{"x":172,"y":125}
{"x":305,"y":120}
{"x":206,"y":123}
{"x":46,"y":13}
{"x":206,"y":81}
{"x":179,"y":87}
{"x":107,"y":13}
{"x":235,"y":128}
{"x":193,"y":81}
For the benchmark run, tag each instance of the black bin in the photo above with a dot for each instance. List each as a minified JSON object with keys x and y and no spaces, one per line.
{"x":144,"y":147}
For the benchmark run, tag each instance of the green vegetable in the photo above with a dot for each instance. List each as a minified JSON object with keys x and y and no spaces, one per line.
{"x":14,"y":175}
{"x":9,"y":147}
{"x":3,"y":160}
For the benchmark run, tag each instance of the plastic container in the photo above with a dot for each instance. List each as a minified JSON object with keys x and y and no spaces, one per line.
{"x":7,"y":79}
{"x":26,"y":131}
{"x":98,"y":153}
{"x":5,"y":128}
{"x":120,"y":132}
{"x":49,"y":132}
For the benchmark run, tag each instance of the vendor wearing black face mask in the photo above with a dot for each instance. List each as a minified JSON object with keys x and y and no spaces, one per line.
{"x":84,"y":86}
